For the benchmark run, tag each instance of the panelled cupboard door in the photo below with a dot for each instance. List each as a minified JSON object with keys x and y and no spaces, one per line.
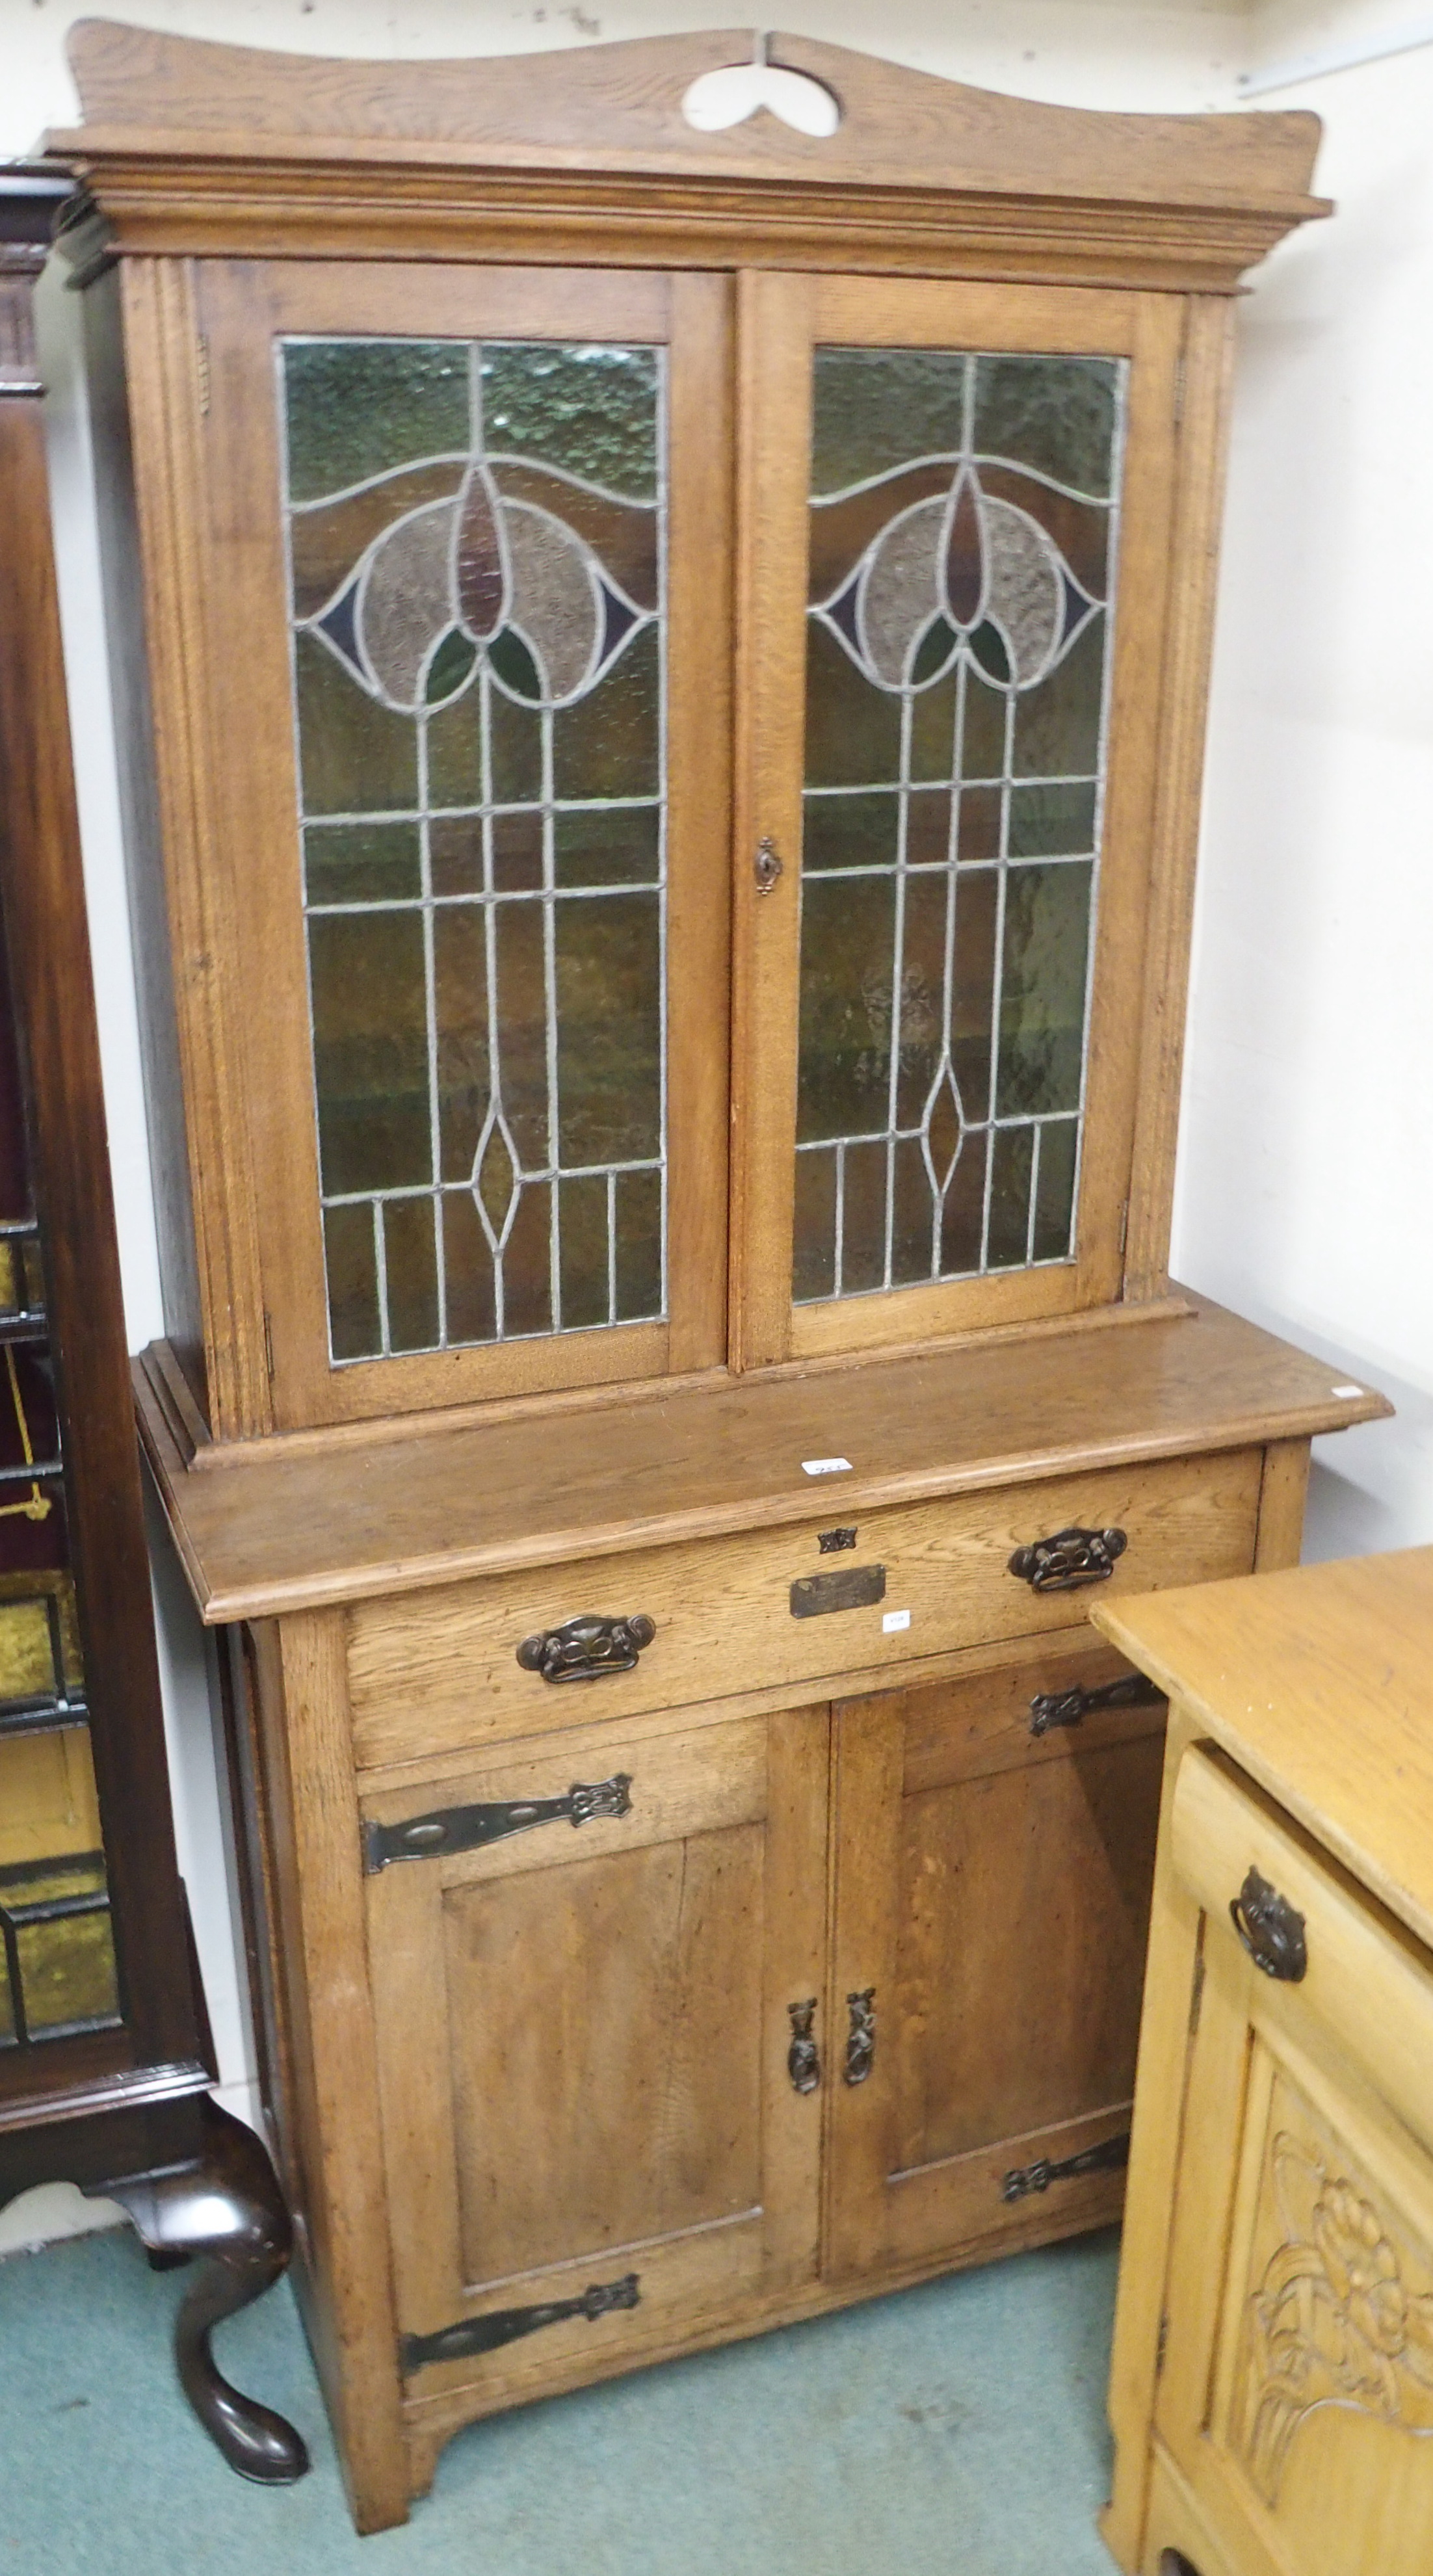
{"x":1296,"y":2397}
{"x":464,"y":536}
{"x":953,"y":558}
{"x":994,"y":1852}
{"x":585,"y":2036}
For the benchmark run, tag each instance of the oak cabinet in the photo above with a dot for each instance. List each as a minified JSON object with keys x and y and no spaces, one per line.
{"x":662,"y":798}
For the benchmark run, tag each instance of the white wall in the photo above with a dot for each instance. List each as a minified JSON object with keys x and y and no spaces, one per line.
{"x":1304,"y":1191}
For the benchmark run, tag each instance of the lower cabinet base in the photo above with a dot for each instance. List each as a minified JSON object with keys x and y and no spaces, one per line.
{"x":431,"y":2422}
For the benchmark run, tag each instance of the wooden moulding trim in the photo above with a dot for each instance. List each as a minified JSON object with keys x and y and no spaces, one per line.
{"x":160,"y":1381}
{"x":129,"y":2089}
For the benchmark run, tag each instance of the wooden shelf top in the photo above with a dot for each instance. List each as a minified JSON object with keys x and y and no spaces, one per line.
{"x":305,"y":1520}
{"x":1319,"y":1683}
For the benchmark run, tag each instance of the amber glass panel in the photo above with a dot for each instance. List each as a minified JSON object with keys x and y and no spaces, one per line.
{"x":963,"y":533}
{"x":476,"y":536}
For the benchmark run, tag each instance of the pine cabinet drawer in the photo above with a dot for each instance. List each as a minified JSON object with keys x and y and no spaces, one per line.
{"x":440,"y":1670}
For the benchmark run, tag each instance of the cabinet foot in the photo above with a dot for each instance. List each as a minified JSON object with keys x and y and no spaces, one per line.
{"x":226,"y":2207}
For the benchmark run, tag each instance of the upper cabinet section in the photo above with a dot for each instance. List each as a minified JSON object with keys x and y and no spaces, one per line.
{"x":675,"y":580}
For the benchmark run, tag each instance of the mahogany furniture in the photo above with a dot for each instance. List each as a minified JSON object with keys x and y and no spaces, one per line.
{"x":1272,"y":2387}
{"x":662,"y":809}
{"x":105,"y":2056}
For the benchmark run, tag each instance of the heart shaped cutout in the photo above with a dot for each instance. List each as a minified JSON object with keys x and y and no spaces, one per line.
{"x":718,"y":100}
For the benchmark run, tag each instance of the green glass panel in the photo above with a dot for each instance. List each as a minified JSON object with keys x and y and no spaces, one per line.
{"x":608,"y":744}
{"x":370,"y":1050}
{"x":67,"y":1965}
{"x":873,"y":409}
{"x":922,"y":1032}
{"x":863,"y":1230}
{"x":1051,"y":822}
{"x":1042,"y":996}
{"x":609,"y":1029}
{"x":455,"y":749}
{"x":927,"y":827}
{"x":587,"y":408}
{"x":639,"y":1246}
{"x":853,"y":731}
{"x":361,"y":407}
{"x":978,"y":826}
{"x":1057,"y":726}
{"x":582,"y":1208}
{"x":973,"y":989}
{"x":982,"y":738}
{"x":411,"y":1266}
{"x":521,"y":1035}
{"x":814,"y":1267}
{"x":1012,"y":1154}
{"x":933,"y":714}
{"x":450,"y":667}
{"x":850,"y":832}
{"x":518,"y":851}
{"x":1055,"y":1189}
{"x":618,"y":845}
{"x":460,"y":1004}
{"x":963,"y":1219}
{"x":515,"y":747}
{"x":1057,"y":414}
{"x":847,"y":931}
{"x":351,"y":1261}
{"x":362,"y":863}
{"x":527,"y":1263}
{"x":512,"y":660}
{"x":455,"y":854}
{"x":468,"y":1271}
{"x":911,"y":1213}
{"x":356,"y":757}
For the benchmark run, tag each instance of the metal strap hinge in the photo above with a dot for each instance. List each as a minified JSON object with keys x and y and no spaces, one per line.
{"x":460,"y":1829}
{"x":471,"y":2335}
{"x":1025,"y":2179}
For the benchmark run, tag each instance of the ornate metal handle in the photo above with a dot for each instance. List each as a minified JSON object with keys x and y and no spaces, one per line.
{"x":766,"y":866}
{"x":861,"y":2041}
{"x":803,"y":2063}
{"x":582,"y":1650}
{"x":1066,"y":1708}
{"x":1271,"y":1931}
{"x":1072,"y":1557}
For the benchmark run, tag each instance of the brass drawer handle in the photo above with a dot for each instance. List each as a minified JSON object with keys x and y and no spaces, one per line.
{"x":582,"y":1650}
{"x":1069,"y":1559}
{"x":803,"y":2063}
{"x":861,"y":2042}
{"x":1271,"y":1930}
{"x":1068,"y":1707}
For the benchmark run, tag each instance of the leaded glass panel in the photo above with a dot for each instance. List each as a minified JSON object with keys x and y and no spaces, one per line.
{"x":963,"y":531}
{"x":476,"y":548}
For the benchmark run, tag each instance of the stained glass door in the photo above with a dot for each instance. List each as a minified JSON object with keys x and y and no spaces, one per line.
{"x":494,"y":845}
{"x":961,"y":499}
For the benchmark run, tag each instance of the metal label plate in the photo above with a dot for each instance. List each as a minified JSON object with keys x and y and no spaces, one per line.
{"x":846,"y":1587}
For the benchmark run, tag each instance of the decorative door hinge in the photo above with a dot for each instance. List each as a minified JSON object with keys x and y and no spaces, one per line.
{"x":201,"y":363}
{"x":803,"y":2063}
{"x":1025,"y":2179}
{"x":583,"y":1650}
{"x":1071,"y":1558}
{"x":460,"y":1829}
{"x":1271,"y":1931}
{"x":508,"y":2325}
{"x":1067,"y":1708}
{"x":861,"y":2040}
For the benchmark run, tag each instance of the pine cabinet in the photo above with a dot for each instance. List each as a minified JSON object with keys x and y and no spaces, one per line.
{"x":662,"y":790}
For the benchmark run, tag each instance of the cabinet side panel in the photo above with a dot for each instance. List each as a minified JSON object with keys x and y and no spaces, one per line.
{"x":139,"y":798}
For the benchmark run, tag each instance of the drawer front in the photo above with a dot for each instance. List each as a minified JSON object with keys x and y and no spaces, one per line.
{"x":440,"y":1670}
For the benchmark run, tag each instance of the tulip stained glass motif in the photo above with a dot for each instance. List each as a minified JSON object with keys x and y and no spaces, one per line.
{"x":963,"y":528}
{"x":476,"y":536}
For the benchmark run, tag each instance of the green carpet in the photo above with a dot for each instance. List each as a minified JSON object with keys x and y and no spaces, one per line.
{"x":955,"y":2430}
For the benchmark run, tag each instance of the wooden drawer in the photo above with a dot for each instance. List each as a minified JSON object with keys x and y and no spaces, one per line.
{"x":438,"y":1671}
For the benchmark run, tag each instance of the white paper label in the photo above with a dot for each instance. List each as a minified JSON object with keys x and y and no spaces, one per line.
{"x":1346,"y":1390}
{"x":825,"y":1466}
{"x":893,"y":1619}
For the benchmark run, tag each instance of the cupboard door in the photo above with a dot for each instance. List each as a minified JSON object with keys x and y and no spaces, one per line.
{"x":1296,"y":2396}
{"x":992,"y":1901}
{"x":586,"y":2031}
{"x":954,"y":554}
{"x":465,"y":548}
